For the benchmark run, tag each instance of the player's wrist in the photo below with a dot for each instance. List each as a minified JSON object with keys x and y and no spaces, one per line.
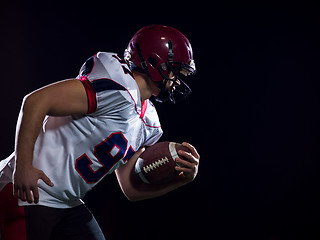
{"x":23,"y":164}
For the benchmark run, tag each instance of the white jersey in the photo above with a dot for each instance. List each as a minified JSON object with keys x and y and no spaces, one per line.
{"x":76,"y":152}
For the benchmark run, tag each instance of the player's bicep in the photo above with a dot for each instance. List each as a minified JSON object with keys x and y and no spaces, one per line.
{"x":63,"y":98}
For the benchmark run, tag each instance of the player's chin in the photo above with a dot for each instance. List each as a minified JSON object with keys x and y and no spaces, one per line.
{"x":156,"y":92}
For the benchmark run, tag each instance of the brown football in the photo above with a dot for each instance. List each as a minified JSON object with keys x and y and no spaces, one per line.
{"x":156,"y":165}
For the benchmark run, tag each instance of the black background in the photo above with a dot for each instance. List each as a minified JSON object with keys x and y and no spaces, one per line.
{"x":253,"y":114}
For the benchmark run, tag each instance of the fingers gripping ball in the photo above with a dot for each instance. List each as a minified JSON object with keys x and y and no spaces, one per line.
{"x":156,"y":164}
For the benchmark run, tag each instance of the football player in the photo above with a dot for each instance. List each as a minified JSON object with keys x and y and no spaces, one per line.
{"x":73,"y":133}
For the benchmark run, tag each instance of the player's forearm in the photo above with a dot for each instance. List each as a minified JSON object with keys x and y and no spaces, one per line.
{"x":144,"y":191}
{"x":28,"y":127}
{"x":134,"y":189}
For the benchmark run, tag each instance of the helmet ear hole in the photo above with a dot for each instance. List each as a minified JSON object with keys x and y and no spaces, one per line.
{"x":152,"y":61}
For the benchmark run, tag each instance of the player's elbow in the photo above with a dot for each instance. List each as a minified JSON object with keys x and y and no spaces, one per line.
{"x":28,"y":104}
{"x":133,"y":198}
{"x":132,"y":195}
{"x":136,"y":198}
{"x":31,"y":101}
{"x":26,"y":99}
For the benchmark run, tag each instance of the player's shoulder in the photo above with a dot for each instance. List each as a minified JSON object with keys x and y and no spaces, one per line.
{"x":110,"y":77}
{"x":107,"y":58}
{"x":110,"y":67}
{"x":111,"y":62}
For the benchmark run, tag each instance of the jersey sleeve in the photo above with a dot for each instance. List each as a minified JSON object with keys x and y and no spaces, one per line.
{"x":103,"y":90}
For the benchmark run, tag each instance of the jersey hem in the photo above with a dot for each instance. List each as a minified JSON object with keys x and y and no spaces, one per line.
{"x":52,"y":204}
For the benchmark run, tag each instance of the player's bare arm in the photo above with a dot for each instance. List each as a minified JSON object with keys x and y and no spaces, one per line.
{"x":60,"y":99}
{"x":188,"y":168}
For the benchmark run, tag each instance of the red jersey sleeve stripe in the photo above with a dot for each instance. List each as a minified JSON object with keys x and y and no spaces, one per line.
{"x":91,"y":94}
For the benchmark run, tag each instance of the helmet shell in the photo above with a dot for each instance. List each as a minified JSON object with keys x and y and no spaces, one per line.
{"x":154,"y":44}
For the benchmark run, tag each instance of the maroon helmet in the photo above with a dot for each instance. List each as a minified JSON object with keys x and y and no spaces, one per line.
{"x":158,"y":50}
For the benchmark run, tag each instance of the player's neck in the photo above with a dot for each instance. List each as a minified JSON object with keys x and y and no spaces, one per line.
{"x":146,"y":87}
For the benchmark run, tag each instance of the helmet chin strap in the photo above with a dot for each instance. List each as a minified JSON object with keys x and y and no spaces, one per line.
{"x":181,"y":88}
{"x":143,"y":63}
{"x":170,"y":53}
{"x":165,"y":94}
{"x":177,"y":91}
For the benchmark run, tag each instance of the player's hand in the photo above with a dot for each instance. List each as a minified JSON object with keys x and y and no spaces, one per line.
{"x":189,"y":165}
{"x":25,"y":183}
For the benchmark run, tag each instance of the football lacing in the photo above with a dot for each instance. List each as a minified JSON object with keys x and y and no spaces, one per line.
{"x":155,"y":164}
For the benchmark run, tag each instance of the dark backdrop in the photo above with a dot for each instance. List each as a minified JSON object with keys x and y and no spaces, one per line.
{"x":253,"y":114}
